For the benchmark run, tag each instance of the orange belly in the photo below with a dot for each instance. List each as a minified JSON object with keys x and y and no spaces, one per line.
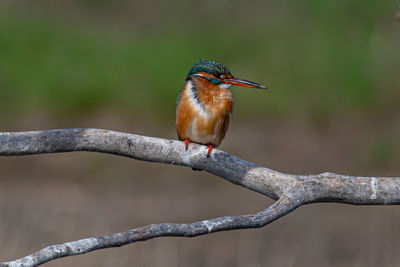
{"x":203,"y":119}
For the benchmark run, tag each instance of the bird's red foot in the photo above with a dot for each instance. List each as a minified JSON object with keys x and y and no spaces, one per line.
{"x":210,"y":148}
{"x":187,"y":141}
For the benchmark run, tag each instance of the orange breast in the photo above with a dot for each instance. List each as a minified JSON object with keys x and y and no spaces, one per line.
{"x":203,"y":112}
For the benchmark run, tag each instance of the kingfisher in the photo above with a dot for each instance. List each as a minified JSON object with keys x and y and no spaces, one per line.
{"x":204,"y":105}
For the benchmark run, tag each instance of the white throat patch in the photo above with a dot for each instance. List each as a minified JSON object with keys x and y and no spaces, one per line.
{"x":224,"y":85}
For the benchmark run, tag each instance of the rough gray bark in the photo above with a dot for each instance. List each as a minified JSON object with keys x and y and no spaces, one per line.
{"x":290,"y":191}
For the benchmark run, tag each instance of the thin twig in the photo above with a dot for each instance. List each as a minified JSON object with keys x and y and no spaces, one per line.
{"x":82,"y":246}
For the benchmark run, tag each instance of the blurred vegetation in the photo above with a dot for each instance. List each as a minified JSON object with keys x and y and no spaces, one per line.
{"x":316,"y":56}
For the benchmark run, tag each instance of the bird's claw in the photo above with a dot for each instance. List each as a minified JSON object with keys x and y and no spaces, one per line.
{"x":187,"y":141}
{"x":210,"y":148}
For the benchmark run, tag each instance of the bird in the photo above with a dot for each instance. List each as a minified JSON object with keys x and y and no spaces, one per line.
{"x":204,"y":104}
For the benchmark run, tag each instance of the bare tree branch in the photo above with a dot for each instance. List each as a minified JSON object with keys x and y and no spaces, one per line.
{"x":278,"y":209}
{"x":291,"y":191}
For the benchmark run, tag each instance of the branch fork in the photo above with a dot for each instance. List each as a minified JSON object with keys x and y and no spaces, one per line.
{"x":289,"y":191}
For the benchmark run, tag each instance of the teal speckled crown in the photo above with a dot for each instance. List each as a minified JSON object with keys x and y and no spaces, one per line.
{"x":209,"y":66}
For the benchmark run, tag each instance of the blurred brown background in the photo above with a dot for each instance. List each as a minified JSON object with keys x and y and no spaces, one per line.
{"x":333,"y":105}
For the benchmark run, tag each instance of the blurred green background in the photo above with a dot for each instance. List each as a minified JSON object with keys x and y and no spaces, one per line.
{"x":130,"y":56}
{"x":333,"y":105}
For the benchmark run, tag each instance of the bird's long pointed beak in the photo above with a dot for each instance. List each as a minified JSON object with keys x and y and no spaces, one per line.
{"x":244,"y":83}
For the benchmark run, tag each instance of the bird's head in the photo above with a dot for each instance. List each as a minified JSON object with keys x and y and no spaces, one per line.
{"x":218,"y":74}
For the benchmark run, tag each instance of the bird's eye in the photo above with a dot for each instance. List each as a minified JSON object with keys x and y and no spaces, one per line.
{"x":221,"y":76}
